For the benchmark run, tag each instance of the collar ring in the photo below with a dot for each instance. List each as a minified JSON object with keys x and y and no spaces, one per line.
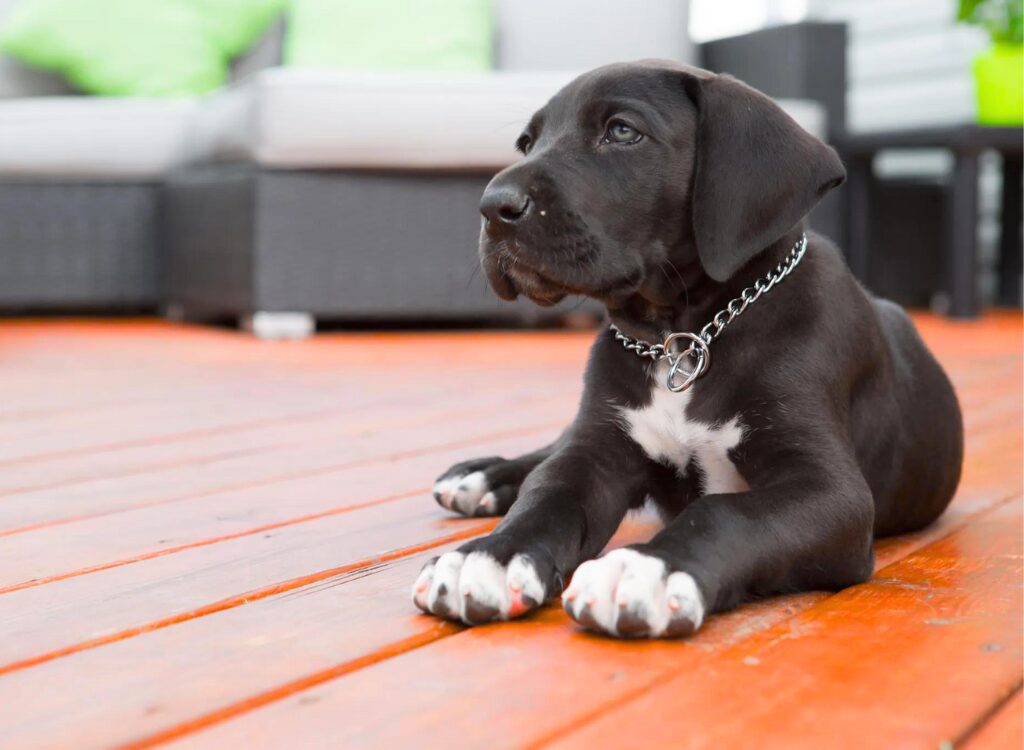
{"x":679,"y":379}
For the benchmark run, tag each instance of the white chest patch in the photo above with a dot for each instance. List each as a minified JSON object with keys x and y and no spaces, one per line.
{"x":665,"y":434}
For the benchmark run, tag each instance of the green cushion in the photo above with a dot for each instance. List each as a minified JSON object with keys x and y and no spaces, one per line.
{"x":390,"y":34}
{"x":136,"y":47}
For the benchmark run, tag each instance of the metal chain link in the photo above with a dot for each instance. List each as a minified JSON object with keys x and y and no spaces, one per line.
{"x":699,"y":343}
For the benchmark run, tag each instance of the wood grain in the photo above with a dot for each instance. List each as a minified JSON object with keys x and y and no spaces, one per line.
{"x":532,"y":665}
{"x":361,"y":442}
{"x":163,"y":528}
{"x":145,"y":594}
{"x":274,"y":645}
{"x":207,"y":541}
{"x":949,"y":616}
{"x":1003,"y":730}
{"x":389,"y":411}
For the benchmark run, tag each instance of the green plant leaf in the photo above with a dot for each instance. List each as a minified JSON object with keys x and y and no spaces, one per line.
{"x":967,"y":9}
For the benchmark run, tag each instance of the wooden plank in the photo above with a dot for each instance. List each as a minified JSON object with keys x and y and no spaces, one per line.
{"x":1004,"y":730}
{"x":162,"y":529}
{"x":64,"y":471}
{"x":176,"y":451}
{"x":573,"y":345}
{"x":313,"y":451}
{"x":997,"y":333}
{"x":243,"y":580}
{"x":988,"y":469}
{"x":84,"y":605}
{"x":950,"y":619}
{"x":210,"y":648}
{"x":175,"y":419}
{"x":366,"y":365}
{"x":342,"y":623}
{"x":47,"y":349}
{"x":182,"y":590}
{"x":182,"y":418}
{"x":45,"y":622}
{"x":339,"y":444}
{"x":519,"y":684}
{"x":101,"y":349}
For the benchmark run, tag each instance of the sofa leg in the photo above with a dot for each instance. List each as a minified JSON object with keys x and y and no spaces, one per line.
{"x":275,"y":326}
{"x":174,"y":312}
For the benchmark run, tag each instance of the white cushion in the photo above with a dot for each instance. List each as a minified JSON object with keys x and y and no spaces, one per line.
{"x":92,"y":137}
{"x":289,"y":118}
{"x":582,"y":34}
{"x":306,"y":118}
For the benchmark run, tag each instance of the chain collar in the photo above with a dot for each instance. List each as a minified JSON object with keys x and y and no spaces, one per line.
{"x":679,"y":379}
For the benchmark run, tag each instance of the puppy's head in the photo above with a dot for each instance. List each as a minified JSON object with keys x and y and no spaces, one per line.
{"x":635,"y":169}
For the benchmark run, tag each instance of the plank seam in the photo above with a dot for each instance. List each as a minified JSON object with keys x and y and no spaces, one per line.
{"x":982,"y":720}
{"x":177,"y":437}
{"x":239,"y":599}
{"x":207,"y":542}
{"x":266,"y":527}
{"x":656,"y":682}
{"x":175,"y":463}
{"x":264,"y":698}
{"x":287,"y":477}
{"x":441,"y":630}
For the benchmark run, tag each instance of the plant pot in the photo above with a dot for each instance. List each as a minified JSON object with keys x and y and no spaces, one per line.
{"x":999,"y":84}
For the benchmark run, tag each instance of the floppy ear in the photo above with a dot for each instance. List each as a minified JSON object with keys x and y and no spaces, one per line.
{"x":758,"y":173}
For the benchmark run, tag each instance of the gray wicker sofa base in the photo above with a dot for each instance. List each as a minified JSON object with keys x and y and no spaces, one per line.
{"x":80,"y":199}
{"x":280,"y":249}
{"x":78,"y":245}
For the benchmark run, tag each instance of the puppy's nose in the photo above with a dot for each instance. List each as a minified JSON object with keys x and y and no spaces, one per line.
{"x":504,"y":206}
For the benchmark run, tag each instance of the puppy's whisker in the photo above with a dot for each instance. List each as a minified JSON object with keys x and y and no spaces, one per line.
{"x":473,"y":274}
{"x":676,"y":272}
{"x":579,"y":302}
{"x":682,"y":281}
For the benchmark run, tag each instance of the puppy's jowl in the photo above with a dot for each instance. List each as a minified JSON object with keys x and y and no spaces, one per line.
{"x":778,"y":415}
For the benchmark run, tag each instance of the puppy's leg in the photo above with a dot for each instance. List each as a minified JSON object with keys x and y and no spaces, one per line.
{"x":567,"y":510}
{"x":486,"y":486}
{"x":811,"y":529}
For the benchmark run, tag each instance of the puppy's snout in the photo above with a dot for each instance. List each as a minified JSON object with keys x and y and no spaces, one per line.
{"x":504,"y":206}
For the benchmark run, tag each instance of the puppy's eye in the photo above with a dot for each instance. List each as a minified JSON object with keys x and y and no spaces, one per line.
{"x":621,"y":132}
{"x":523,"y":143}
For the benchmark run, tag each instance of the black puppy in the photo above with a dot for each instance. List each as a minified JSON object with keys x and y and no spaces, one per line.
{"x":677,"y":198}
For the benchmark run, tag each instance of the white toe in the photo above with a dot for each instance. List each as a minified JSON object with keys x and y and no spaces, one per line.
{"x":421,"y":588}
{"x":468,"y":493}
{"x":684,"y":599}
{"x":483,"y":582}
{"x":442,"y":598}
{"x":465,"y":493}
{"x":641,"y":590}
{"x":524,"y":585}
{"x":593,"y":586}
{"x":443,"y":489}
{"x":627,"y":593}
{"x":489,"y":502}
{"x":477,"y":588}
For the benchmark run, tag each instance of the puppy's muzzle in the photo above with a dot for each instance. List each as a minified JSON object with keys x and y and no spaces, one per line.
{"x":517,"y":250}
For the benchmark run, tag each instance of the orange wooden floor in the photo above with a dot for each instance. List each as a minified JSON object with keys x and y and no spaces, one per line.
{"x":208,"y":542}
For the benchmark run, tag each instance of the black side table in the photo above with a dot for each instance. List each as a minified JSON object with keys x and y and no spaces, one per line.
{"x":966,"y":143}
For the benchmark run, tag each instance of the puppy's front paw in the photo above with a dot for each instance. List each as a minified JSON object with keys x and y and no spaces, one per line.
{"x":475,"y":588}
{"x":468,"y":494}
{"x":629,"y":594}
{"x":481,"y":487}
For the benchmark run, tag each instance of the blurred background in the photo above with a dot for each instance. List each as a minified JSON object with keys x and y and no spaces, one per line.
{"x":292,"y":164}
